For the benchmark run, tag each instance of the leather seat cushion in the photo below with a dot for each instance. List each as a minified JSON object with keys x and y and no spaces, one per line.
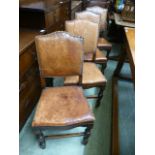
{"x":62,"y":106}
{"x":100,"y":57}
{"x":103,"y":43}
{"x":91,"y":77}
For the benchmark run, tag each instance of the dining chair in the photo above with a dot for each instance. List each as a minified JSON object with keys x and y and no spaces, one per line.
{"x":65,"y":107}
{"x":102,"y":12}
{"x":90,"y":32}
{"x":92,"y":76}
{"x":103,"y":15}
{"x":96,"y":18}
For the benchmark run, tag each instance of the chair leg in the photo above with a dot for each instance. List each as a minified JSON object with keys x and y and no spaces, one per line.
{"x":41,"y":139}
{"x":87,"y":133}
{"x":103,"y":66}
{"x":100,"y":95}
{"x":108,"y":53}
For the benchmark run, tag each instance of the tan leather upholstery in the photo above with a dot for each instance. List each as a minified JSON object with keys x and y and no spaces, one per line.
{"x":59,"y":54}
{"x":103,"y":12}
{"x":89,"y":16}
{"x":102,"y":42}
{"x":100,"y":57}
{"x":61,"y":106}
{"x":92,"y":77}
{"x":96,"y":18}
{"x":86,"y":29}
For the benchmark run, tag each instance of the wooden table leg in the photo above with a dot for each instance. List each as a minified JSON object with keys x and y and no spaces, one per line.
{"x":120,"y":64}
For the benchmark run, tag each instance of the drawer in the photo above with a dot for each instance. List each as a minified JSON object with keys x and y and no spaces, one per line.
{"x":64,"y":12}
{"x":28,"y":79}
{"x":50,"y":19}
{"x":27,"y":109}
{"x":26,"y":99}
{"x":26,"y":59}
{"x":28,"y":102}
{"x":57,"y":16}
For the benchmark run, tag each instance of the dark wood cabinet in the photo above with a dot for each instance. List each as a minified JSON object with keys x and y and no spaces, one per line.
{"x":29,"y":79}
{"x":48,"y":14}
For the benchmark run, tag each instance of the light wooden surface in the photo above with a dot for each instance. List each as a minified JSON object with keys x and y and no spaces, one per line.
{"x":119,"y":21}
{"x":130,"y":36}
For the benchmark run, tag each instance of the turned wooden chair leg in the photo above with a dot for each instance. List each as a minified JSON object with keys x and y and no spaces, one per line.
{"x":100,"y":95}
{"x":87,"y":133}
{"x":41,"y":139}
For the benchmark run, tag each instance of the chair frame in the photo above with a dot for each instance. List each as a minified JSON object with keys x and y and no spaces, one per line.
{"x":38,"y":130}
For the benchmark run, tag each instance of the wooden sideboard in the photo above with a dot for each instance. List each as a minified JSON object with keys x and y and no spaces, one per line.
{"x":29,"y":79}
{"x":44,"y":14}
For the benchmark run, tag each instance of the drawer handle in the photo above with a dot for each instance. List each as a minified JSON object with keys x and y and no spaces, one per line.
{"x":22,"y":86}
{"x":42,"y":32}
{"x":63,"y":2}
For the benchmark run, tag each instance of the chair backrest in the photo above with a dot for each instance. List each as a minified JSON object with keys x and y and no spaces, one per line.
{"x":103,"y":12}
{"x":90,"y":16}
{"x":59,"y":54}
{"x":86,"y":29}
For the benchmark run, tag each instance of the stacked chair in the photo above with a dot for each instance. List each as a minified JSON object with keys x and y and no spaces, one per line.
{"x":102,"y":42}
{"x":73,"y":55}
{"x":92,"y":76}
{"x":95,"y":18}
{"x":103,"y":15}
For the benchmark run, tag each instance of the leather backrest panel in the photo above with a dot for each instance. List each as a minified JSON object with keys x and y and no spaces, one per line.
{"x":86,"y":15}
{"x":103,"y":12}
{"x":59,"y":54}
{"x":86,"y":29}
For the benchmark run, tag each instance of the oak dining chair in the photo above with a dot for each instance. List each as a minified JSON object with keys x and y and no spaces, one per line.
{"x":102,"y":12}
{"x":96,"y":18}
{"x":92,"y":76}
{"x":60,"y":54}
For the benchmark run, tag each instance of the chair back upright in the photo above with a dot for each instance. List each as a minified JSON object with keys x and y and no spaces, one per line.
{"x":89,"y":16}
{"x":59,"y":54}
{"x":102,"y":12}
{"x":86,"y":29}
